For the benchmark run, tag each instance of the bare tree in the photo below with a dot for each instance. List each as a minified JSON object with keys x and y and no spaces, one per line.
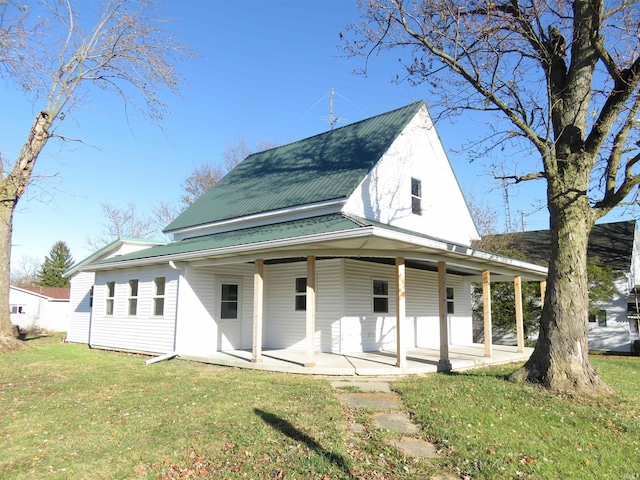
{"x":558,"y":80}
{"x":128,"y":222}
{"x":25,"y":273}
{"x":205,"y":176}
{"x":46,"y":51}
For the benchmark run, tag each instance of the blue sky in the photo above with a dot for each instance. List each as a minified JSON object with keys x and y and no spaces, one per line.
{"x":264,"y":72}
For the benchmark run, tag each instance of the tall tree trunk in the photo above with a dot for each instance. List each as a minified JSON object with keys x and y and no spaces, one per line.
{"x":6,"y":215}
{"x":560,"y":359}
{"x":12,"y":187}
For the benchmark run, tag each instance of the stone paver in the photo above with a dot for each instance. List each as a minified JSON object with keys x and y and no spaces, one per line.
{"x":379,"y":401}
{"x":415,"y":447}
{"x":363,"y":385}
{"x":398,"y":422}
{"x":376,"y":394}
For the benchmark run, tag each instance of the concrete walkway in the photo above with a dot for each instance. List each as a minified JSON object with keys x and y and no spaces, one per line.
{"x":419,"y":360}
{"x":376,"y":394}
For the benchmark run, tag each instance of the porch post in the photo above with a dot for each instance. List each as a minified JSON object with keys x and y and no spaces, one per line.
{"x":258,"y":301}
{"x":442,"y":308}
{"x":517,"y":283}
{"x":543,"y":291}
{"x":311,"y":311}
{"x":401,"y":354}
{"x":486,"y":300}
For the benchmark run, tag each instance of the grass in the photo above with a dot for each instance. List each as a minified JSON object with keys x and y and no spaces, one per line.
{"x":68,"y":412}
{"x":491,"y":428}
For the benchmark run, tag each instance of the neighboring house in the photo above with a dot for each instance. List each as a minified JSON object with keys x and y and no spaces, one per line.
{"x":320,"y":245}
{"x":616,"y":244}
{"x":40,"y":307}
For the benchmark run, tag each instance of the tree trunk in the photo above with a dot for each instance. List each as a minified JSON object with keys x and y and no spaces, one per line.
{"x":11,"y":189}
{"x":560,"y":359}
{"x":6,"y":215}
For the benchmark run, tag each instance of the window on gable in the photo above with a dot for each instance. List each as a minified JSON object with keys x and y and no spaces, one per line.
{"x":158,"y":298}
{"x":416,"y":196}
{"x":133,"y":297}
{"x":229,"y":301}
{"x":380,"y":296}
{"x":450,"y":301}
{"x":301,"y":294}
{"x":111,"y":291}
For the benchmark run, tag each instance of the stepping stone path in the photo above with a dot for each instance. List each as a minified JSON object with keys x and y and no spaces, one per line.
{"x":376,"y":394}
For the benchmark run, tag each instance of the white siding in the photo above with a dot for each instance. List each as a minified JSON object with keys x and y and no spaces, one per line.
{"x":385,"y":194}
{"x":39,"y":311}
{"x":286,"y":328}
{"x":142,"y":332}
{"x":79,"y":307}
{"x":201,"y":332}
{"x":362,"y":329}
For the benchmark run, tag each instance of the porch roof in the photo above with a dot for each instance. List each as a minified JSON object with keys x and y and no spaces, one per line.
{"x":334,"y":235}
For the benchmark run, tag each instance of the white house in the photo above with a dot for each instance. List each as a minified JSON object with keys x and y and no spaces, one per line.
{"x":614,"y":327}
{"x":39,"y":307}
{"x":357,"y":239}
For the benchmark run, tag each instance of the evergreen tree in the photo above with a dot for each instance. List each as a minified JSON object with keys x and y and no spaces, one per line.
{"x":55,"y":264}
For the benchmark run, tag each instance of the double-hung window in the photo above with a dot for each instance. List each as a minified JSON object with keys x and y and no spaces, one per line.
{"x":229,"y":301}
{"x":301,"y":294}
{"x":380,"y":296}
{"x":111,"y":292}
{"x":158,"y":298}
{"x":450,"y":301}
{"x":416,"y":196}
{"x":133,"y":297}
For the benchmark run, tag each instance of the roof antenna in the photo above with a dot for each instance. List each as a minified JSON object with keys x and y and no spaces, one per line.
{"x":332,"y":120}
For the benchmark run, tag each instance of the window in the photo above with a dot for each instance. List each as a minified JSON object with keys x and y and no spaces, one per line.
{"x":301,"y":294}
{"x":19,"y":309}
{"x":133,"y":297}
{"x":450,"y":302}
{"x":111,"y":291}
{"x":599,"y":316}
{"x":416,"y":196}
{"x":158,"y":299}
{"x":380,"y":296}
{"x":229,"y":301}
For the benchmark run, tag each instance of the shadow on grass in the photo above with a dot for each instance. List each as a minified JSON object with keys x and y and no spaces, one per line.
{"x":292,"y":432}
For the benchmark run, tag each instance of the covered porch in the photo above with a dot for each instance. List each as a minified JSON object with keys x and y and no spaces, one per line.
{"x":418,"y":360}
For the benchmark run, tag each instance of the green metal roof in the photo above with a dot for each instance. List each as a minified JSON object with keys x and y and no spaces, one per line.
{"x":298,"y":228}
{"x":325,"y":167}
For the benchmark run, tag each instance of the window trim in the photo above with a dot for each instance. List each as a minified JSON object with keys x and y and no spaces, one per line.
{"x":451,"y":305}
{"x":375,"y":295}
{"x":159,"y":296}
{"x":132,"y":308}
{"x":110,"y":298}
{"x":229,"y":281}
{"x":300,"y":294}
{"x":416,"y":196}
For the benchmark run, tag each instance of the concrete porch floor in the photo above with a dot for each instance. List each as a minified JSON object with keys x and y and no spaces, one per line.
{"x":419,"y":360}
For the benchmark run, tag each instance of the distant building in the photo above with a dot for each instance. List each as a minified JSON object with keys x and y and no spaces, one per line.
{"x":616,"y":244}
{"x":42,"y":307}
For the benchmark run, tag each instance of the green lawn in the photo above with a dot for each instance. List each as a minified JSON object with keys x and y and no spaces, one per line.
{"x":491,"y":428}
{"x":70,"y":412}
